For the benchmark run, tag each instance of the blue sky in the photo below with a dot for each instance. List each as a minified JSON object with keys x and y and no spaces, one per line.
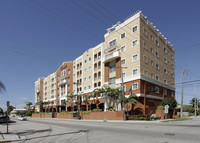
{"x":37,"y":36}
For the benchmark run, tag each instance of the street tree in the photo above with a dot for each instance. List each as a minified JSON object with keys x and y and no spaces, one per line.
{"x":171,"y":102}
{"x":2,"y":87}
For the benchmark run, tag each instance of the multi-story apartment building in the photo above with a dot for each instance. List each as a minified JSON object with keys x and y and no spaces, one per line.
{"x":134,"y":50}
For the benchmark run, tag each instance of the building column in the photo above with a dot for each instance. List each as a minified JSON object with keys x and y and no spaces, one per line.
{"x":144,"y":97}
{"x":65,"y":89}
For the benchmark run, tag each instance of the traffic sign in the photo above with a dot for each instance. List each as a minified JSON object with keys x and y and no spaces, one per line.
{"x":167,"y":106}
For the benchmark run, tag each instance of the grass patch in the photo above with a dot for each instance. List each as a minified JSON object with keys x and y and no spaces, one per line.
{"x":175,"y":120}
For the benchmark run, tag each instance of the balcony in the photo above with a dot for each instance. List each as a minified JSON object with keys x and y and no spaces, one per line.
{"x":62,"y":82}
{"x":111,"y":57}
{"x":111,"y":47}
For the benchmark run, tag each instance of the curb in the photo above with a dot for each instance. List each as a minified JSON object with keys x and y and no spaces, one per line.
{"x":3,"y":141}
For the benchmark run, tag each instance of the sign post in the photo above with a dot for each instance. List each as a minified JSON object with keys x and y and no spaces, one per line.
{"x":166,"y":110}
{"x":8,"y":104}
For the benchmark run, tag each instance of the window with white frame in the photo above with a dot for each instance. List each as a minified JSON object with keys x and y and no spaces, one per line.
{"x":157,"y":66}
{"x":68,"y":71}
{"x":157,"y":42}
{"x":135,"y":57}
{"x":134,"y":86}
{"x":89,"y":77}
{"x":123,"y":49}
{"x":172,"y":94}
{"x":68,"y":79}
{"x":85,"y":61}
{"x":123,"y":62}
{"x":157,"y":90}
{"x":165,"y":49}
{"x":157,"y":78}
{"x":135,"y":71}
{"x":85,"y":70}
{"x":112,"y":68}
{"x":63,"y":73}
{"x":165,"y":60}
{"x":165,"y":71}
{"x":89,"y":68}
{"x":172,"y":76}
{"x":135,"y":43}
{"x":85,"y":79}
{"x":151,"y":50}
{"x":172,"y":66}
{"x":112,"y":43}
{"x":89,"y":87}
{"x":165,"y":92}
{"x":157,"y":54}
{"x":145,"y":72}
{"x":151,"y":37}
{"x":145,"y":58}
{"x":111,"y":80}
{"x":123,"y":35}
{"x":68,"y":86}
{"x":89,"y":59}
{"x":134,"y":28}
{"x":145,"y":31}
{"x":74,"y":67}
{"x":145,"y":45}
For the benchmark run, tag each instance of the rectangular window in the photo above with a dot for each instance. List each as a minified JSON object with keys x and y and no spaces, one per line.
{"x":145,"y":59}
{"x":85,"y":79}
{"x":146,"y":72}
{"x":111,"y":80}
{"x":85,"y":61}
{"x":157,"y":90}
{"x":68,"y":71}
{"x":134,"y":86}
{"x":157,"y":66}
{"x":89,"y":77}
{"x":165,"y":92}
{"x":123,"y":49}
{"x":112,"y":68}
{"x":68,"y":86}
{"x":145,"y":45}
{"x":157,"y":43}
{"x":172,"y":66}
{"x":157,"y":78}
{"x":165,"y":50}
{"x":89,"y":68}
{"x":89,"y":87}
{"x":74,"y":67}
{"x":112,"y":43}
{"x":123,"y":35}
{"x":135,"y":57}
{"x":134,"y":28}
{"x":172,"y":76}
{"x":68,"y":79}
{"x":165,"y":71}
{"x":123,"y":62}
{"x":172,"y":94}
{"x":165,"y":60}
{"x":89,"y":59}
{"x":135,"y":71}
{"x":85,"y":88}
{"x":135,"y":43}
{"x":157,"y":54}
{"x":151,"y":50}
{"x":165,"y":81}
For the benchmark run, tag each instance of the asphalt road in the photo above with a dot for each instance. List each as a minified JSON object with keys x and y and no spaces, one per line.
{"x":64,"y":131}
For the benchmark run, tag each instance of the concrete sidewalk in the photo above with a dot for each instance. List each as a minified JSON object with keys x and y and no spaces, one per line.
{"x":4,"y":137}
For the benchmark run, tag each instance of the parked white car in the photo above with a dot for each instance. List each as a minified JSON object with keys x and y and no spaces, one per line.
{"x":22,"y":117}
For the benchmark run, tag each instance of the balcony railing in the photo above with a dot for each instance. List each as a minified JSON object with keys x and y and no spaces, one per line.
{"x":111,"y":47}
{"x":62,"y":82}
{"x":111,"y":56}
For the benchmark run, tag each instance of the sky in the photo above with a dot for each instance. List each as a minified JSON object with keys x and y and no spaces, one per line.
{"x":36,"y":36}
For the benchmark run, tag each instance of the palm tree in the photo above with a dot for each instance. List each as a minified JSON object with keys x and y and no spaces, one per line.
{"x":2,"y":87}
{"x":86,"y":99}
{"x":132,"y":99}
{"x":72,"y":96}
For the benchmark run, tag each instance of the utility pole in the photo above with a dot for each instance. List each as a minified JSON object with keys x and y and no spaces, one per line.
{"x":195,"y":101}
{"x":123,"y":91}
{"x":183,"y":71}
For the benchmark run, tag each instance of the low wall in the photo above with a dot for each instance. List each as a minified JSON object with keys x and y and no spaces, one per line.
{"x":42,"y":115}
{"x":89,"y":116}
{"x":103,"y":116}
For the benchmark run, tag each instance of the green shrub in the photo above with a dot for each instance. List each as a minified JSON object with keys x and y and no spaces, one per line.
{"x":63,"y":113}
{"x":97,"y":110}
{"x":160,"y":107}
{"x":86,"y":112}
